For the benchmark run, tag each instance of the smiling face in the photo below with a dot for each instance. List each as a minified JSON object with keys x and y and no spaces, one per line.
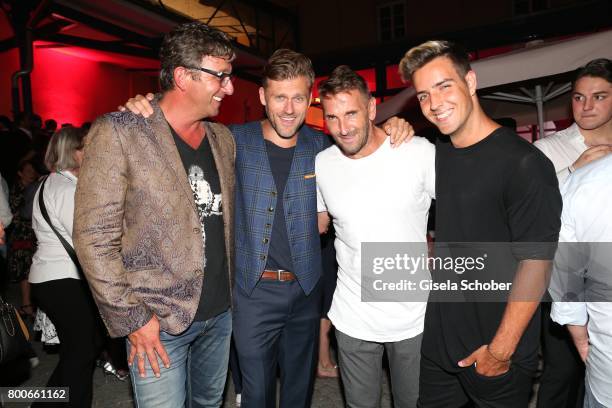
{"x":348,"y":117}
{"x":286,"y":102}
{"x":592,"y":102}
{"x":445,"y":97}
{"x":206,"y":91}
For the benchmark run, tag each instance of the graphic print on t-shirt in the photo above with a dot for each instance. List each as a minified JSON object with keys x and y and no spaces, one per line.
{"x":206,"y":201}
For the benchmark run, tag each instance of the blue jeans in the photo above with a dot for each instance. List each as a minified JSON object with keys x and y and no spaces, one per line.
{"x":198,"y":367}
{"x":589,"y":399}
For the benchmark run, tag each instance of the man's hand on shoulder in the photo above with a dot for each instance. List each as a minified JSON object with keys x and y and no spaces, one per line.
{"x":398,"y":130}
{"x":591,"y":154}
{"x":145,"y":343}
{"x":140,"y":105}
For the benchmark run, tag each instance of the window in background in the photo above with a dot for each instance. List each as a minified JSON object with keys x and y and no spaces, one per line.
{"x":391,"y":21}
{"x":522,"y":7}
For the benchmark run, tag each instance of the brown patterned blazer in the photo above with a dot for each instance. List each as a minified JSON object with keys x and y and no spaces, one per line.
{"x":136,"y":228}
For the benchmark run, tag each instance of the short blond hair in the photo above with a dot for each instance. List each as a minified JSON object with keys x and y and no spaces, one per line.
{"x":418,"y":56}
{"x":63,"y":144}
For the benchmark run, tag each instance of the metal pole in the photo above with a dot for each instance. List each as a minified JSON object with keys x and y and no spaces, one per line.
{"x":540,"y":107}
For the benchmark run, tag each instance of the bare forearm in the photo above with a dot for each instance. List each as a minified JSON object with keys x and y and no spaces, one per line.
{"x":580,"y":335}
{"x":528,"y":287}
{"x":514,"y":322}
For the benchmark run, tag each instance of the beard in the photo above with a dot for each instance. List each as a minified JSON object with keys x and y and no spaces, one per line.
{"x":350,"y":150}
{"x":284,"y":131}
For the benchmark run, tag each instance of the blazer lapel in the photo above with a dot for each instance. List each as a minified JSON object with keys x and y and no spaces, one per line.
{"x":225,"y":172}
{"x":303,"y":151}
{"x":161,"y":135}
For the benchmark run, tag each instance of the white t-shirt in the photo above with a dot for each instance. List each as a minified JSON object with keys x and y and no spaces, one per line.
{"x":383,"y":197}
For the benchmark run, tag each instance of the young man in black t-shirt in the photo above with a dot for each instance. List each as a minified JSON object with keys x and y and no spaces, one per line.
{"x":492,"y":187}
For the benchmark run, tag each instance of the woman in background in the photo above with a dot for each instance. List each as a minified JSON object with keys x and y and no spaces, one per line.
{"x":56,"y":282}
{"x":22,"y":241}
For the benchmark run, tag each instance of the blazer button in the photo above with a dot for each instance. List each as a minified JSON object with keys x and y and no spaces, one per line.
{"x":270,"y":209}
{"x":262,"y":257}
{"x":198,"y":272}
{"x":265,"y":240}
{"x":268,"y":225}
{"x":196,"y":230}
{"x":273,"y":193}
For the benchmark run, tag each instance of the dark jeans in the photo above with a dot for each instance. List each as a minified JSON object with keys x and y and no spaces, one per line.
{"x":443,"y":389}
{"x":277,"y":326}
{"x":562,"y":382}
{"x":235,"y":368}
{"x":69,"y":305}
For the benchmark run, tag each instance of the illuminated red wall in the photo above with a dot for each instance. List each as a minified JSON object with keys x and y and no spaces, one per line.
{"x":68,"y":88}
{"x":75,"y":85}
{"x":243,"y":106}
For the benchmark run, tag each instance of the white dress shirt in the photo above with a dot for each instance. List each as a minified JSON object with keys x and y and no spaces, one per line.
{"x":51,"y":261}
{"x":587,"y":218}
{"x":563,"y":149}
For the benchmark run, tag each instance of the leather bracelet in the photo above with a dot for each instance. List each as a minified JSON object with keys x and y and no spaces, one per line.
{"x":497,"y":359}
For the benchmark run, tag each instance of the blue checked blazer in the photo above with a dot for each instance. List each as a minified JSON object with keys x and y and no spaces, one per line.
{"x":255,"y":204}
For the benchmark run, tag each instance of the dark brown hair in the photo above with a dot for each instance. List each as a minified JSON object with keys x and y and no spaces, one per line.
{"x":597,"y":68}
{"x":186,"y":45}
{"x":343,"y":79}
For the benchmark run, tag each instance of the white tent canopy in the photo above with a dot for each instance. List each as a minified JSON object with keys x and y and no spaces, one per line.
{"x":536,"y":60}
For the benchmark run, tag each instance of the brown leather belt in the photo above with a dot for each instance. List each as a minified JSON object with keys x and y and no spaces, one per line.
{"x":279,"y":275}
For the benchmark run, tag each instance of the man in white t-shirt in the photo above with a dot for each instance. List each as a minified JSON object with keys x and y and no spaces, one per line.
{"x":373,"y":194}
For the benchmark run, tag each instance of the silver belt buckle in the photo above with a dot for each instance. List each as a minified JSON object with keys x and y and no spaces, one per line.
{"x":278,"y":274}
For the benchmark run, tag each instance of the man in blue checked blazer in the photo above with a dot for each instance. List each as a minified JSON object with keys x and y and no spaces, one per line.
{"x":277,"y":298}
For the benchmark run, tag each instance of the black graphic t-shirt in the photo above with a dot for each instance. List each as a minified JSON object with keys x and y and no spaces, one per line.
{"x":204,"y":181}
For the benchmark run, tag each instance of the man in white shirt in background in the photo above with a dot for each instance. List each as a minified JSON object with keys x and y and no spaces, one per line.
{"x":373,"y":194}
{"x":585,"y":270}
{"x":590,"y":137}
{"x":586,"y":140}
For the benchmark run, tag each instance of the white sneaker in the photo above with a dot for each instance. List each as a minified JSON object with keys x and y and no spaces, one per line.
{"x":238,"y":399}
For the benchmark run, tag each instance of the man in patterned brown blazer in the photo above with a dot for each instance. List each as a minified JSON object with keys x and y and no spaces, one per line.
{"x":153,"y":225}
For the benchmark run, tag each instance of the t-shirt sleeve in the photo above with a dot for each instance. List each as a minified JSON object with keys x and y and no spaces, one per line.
{"x":533,"y":205}
{"x":321,"y":207}
{"x":430,"y":170}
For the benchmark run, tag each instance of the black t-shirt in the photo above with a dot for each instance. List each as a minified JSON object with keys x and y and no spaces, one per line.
{"x":279,"y":253}
{"x":501,"y":189}
{"x":204,"y":181}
